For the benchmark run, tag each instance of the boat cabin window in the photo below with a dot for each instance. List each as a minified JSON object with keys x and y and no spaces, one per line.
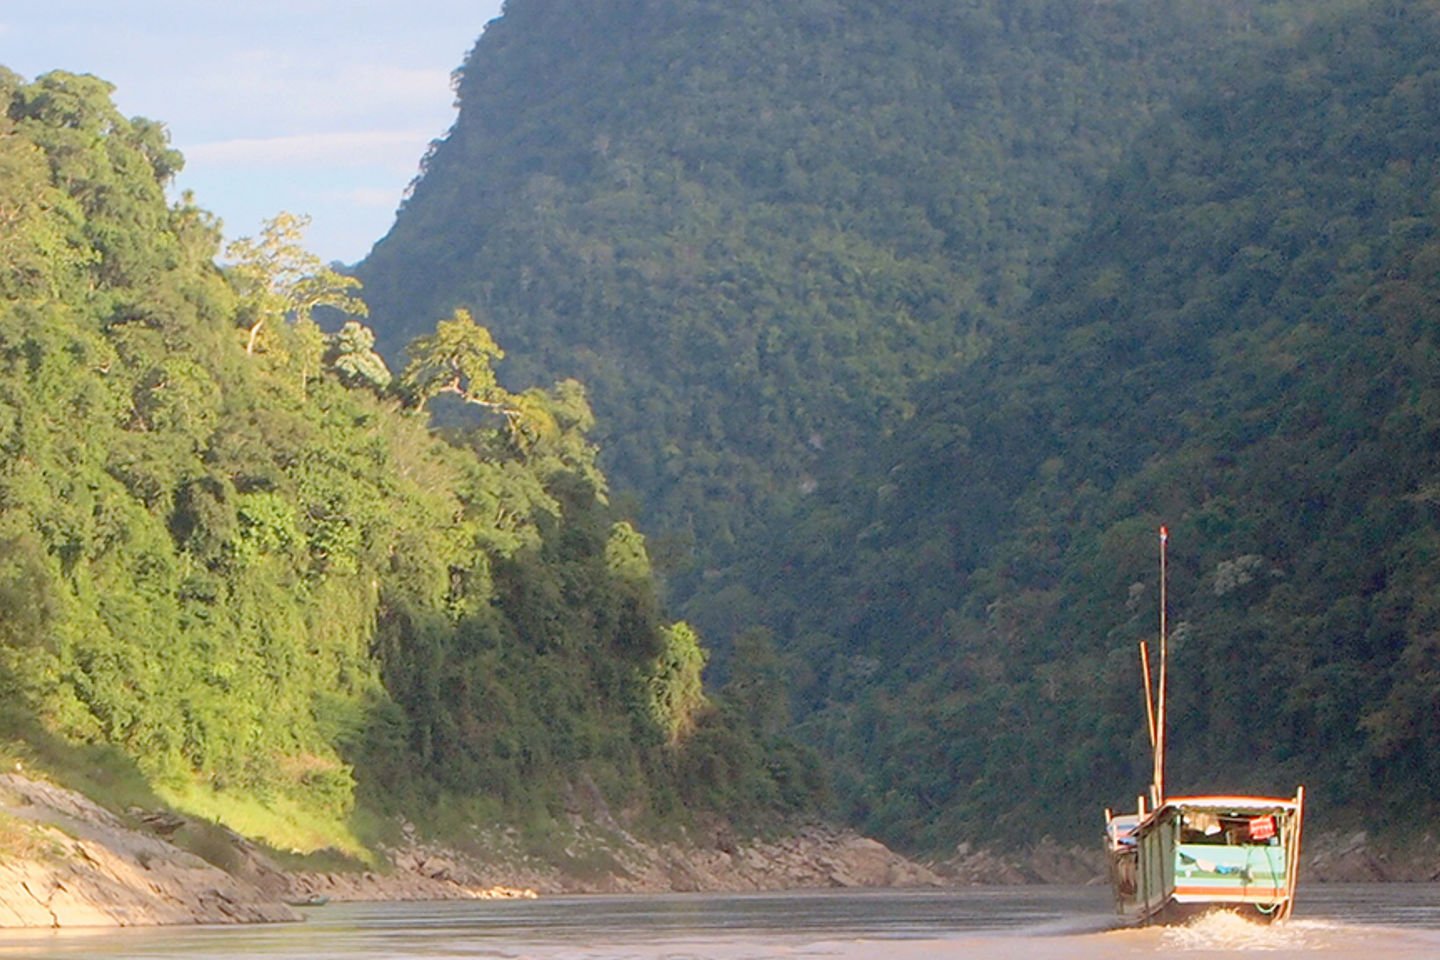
{"x":1229,"y":829}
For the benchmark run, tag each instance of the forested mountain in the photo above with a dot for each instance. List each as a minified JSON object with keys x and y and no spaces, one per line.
{"x":750,"y":228}
{"x":909,"y":361}
{"x":911,"y":322}
{"x":236,"y":562}
{"x":1242,"y":342}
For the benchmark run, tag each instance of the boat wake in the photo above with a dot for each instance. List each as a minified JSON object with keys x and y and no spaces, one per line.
{"x":1228,"y":931}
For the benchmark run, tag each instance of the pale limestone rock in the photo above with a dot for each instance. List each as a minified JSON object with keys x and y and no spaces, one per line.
{"x":82,"y":866}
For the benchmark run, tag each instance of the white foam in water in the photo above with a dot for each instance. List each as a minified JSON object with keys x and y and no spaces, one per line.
{"x":1230,"y":931}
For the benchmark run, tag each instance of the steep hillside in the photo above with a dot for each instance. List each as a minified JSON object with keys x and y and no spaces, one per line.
{"x":1242,"y":343}
{"x":239,"y":574}
{"x":751,"y":228}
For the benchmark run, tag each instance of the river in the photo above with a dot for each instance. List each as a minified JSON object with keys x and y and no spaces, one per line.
{"x":1364,"y":922}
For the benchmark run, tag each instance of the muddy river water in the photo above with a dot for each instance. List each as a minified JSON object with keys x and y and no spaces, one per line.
{"x":1363,"y":922}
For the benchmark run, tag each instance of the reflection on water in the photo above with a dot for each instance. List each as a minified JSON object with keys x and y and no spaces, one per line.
{"x":1370,"y":922}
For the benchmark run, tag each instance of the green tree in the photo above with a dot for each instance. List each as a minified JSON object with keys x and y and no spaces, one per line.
{"x":677,"y":694}
{"x":277,"y":279}
{"x":351,"y":354}
{"x":457,"y":359}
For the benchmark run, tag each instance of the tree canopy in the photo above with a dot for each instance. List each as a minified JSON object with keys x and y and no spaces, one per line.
{"x":232,"y":551}
{"x":905,"y":364}
{"x":895,"y":371}
{"x":751,"y":251}
{"x":1239,"y":344}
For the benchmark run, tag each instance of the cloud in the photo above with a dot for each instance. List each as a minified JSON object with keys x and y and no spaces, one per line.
{"x":358,"y":148}
{"x":375,"y":197}
{"x":395,"y":84}
{"x":268,"y":89}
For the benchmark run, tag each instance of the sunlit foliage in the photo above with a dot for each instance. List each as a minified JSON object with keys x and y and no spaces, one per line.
{"x":246,"y":561}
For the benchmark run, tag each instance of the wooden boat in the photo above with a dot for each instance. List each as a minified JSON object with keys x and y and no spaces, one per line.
{"x":1177,"y":857}
{"x":313,"y":900}
{"x":1193,"y":855}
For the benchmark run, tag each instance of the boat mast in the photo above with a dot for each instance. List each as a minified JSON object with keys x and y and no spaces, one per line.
{"x":1149,"y":682}
{"x":1158,"y":787}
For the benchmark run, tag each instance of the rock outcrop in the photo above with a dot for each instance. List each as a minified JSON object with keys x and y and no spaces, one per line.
{"x":71,"y":862}
{"x":67,"y":861}
{"x":1045,"y":862}
{"x":815,"y":857}
{"x":1359,"y":858}
{"x":598,"y":860}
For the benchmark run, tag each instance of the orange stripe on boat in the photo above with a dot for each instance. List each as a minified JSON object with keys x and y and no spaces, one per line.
{"x":1256,"y":894}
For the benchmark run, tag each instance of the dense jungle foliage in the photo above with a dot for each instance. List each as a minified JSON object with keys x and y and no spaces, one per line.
{"x":233,"y":551}
{"x":1242,"y":342}
{"x":907,"y":363}
{"x":748,"y":246}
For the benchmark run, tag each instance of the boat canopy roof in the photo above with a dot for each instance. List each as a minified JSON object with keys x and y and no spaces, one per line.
{"x":1226,"y":804}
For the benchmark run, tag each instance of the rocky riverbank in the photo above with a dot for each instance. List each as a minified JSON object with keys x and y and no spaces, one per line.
{"x":69,"y":862}
{"x":66,"y":861}
{"x":592,"y":859}
{"x":814,"y":858}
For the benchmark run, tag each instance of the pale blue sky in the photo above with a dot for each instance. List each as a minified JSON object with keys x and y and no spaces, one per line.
{"x":317,"y":107}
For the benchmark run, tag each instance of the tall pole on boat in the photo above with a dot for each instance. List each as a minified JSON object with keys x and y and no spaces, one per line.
{"x":1160,"y":696}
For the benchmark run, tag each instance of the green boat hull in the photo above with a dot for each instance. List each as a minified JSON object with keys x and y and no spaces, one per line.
{"x":1196,"y":855}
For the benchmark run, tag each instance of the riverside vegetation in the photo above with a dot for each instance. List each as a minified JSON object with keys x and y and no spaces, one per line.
{"x":897,"y":369}
{"x":241,"y":576}
{"x":905,"y":364}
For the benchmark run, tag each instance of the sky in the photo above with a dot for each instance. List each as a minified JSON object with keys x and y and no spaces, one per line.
{"x":316,"y":107}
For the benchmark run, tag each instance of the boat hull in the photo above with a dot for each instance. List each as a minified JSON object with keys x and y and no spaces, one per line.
{"x":1199,"y":855}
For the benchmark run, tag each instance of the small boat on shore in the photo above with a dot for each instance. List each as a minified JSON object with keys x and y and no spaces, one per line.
{"x":1177,"y":857}
{"x":313,"y":900}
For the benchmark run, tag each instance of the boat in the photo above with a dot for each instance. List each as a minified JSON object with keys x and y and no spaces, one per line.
{"x":313,"y":900}
{"x":1178,"y":857}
